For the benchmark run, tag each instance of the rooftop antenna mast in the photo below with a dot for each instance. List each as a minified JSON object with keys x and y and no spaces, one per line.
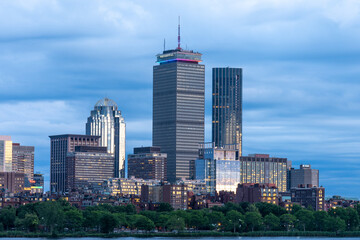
{"x":179,"y":35}
{"x":164,"y":44}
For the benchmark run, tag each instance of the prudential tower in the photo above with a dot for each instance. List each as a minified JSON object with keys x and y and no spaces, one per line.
{"x":178,"y":108}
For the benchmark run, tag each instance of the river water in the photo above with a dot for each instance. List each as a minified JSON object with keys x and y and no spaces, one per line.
{"x":204,"y":238}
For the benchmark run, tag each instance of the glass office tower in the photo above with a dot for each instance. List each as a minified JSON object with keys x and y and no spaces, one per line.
{"x":107,"y":122}
{"x":5,"y":154}
{"x":227,"y":107}
{"x":219,"y":167}
{"x":178,"y":109}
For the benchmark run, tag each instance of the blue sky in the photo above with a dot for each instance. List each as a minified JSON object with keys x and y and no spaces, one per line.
{"x":301,"y":64}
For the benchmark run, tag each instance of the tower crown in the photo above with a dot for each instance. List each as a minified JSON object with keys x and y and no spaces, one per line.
{"x":106,"y":102}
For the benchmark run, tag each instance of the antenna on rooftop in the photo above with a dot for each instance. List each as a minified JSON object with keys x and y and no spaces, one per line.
{"x":179,"y":35}
{"x":164,"y":44}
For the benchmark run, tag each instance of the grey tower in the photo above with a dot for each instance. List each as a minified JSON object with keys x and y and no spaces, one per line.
{"x":227,"y":107}
{"x":178,"y":109}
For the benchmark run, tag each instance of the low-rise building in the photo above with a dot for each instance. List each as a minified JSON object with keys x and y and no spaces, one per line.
{"x":255,"y":192}
{"x":12,"y":182}
{"x":147,"y":163}
{"x":309,"y":196}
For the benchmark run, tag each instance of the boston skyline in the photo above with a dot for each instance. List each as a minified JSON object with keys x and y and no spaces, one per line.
{"x":300,"y":74}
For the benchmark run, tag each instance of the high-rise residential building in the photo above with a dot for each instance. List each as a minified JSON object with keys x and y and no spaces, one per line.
{"x":23,"y":160}
{"x":304,"y":176}
{"x":178,"y":108}
{"x":89,"y":167}
{"x":147,"y":163}
{"x":5,"y":154}
{"x":227,"y":107}
{"x":263,"y":169}
{"x":60,"y":146}
{"x":219,"y":167}
{"x":107,"y":122}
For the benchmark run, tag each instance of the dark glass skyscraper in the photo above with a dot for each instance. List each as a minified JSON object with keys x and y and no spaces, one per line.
{"x":227,"y":107}
{"x":178,"y":109}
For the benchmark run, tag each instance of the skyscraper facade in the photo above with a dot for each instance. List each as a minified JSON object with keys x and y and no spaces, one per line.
{"x":23,"y":160}
{"x":219,"y":167}
{"x":304,"y":176}
{"x":227,"y":107}
{"x":263,"y":169}
{"x":60,"y":146}
{"x":178,"y":109}
{"x":107,"y":122}
{"x":89,"y":167}
{"x":147,"y":163}
{"x":5,"y":154}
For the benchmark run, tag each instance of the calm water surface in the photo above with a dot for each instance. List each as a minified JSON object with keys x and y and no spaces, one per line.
{"x":203,"y":238}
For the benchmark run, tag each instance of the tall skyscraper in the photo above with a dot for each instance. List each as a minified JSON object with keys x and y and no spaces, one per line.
{"x":107,"y":122}
{"x":5,"y":154}
{"x":23,"y":160}
{"x":60,"y":147}
{"x":227,"y":107}
{"x":178,"y":108}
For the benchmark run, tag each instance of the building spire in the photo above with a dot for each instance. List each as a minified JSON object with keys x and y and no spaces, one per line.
{"x":179,"y":35}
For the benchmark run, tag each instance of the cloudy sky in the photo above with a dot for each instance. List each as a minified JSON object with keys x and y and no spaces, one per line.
{"x":301,"y":63}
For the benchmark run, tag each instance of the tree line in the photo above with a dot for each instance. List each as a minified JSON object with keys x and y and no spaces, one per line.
{"x":61,"y":217}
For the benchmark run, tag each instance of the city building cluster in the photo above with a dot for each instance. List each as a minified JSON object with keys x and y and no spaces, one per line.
{"x":180,"y":168}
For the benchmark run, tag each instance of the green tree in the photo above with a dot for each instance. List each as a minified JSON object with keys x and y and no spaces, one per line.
{"x":31,"y":222}
{"x":253,"y":220}
{"x":196,"y":219}
{"x":305,"y":219}
{"x":287,"y":220}
{"x":295,"y":208}
{"x":92,"y":218}
{"x":121,"y":219}
{"x":108,"y":222}
{"x":335,"y":224}
{"x":271,"y":222}
{"x":7,"y":217}
{"x":144,"y":223}
{"x":320,"y":220}
{"x":175,"y":223}
{"x":267,"y":208}
{"x":165,"y":207}
{"x":216,"y":219}
{"x":161,"y":221}
{"x":51,"y":215}
{"x":130,"y":209}
{"x":73,"y":219}
{"x":235,"y":220}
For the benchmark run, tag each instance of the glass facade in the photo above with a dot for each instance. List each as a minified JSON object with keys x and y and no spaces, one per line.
{"x":227,"y":107}
{"x":178,"y":109}
{"x":219,"y":168}
{"x":106,"y":121}
{"x":5,"y":154}
{"x":263,"y":169}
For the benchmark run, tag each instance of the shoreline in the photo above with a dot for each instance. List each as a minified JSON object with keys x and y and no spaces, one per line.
{"x":16,"y":234}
